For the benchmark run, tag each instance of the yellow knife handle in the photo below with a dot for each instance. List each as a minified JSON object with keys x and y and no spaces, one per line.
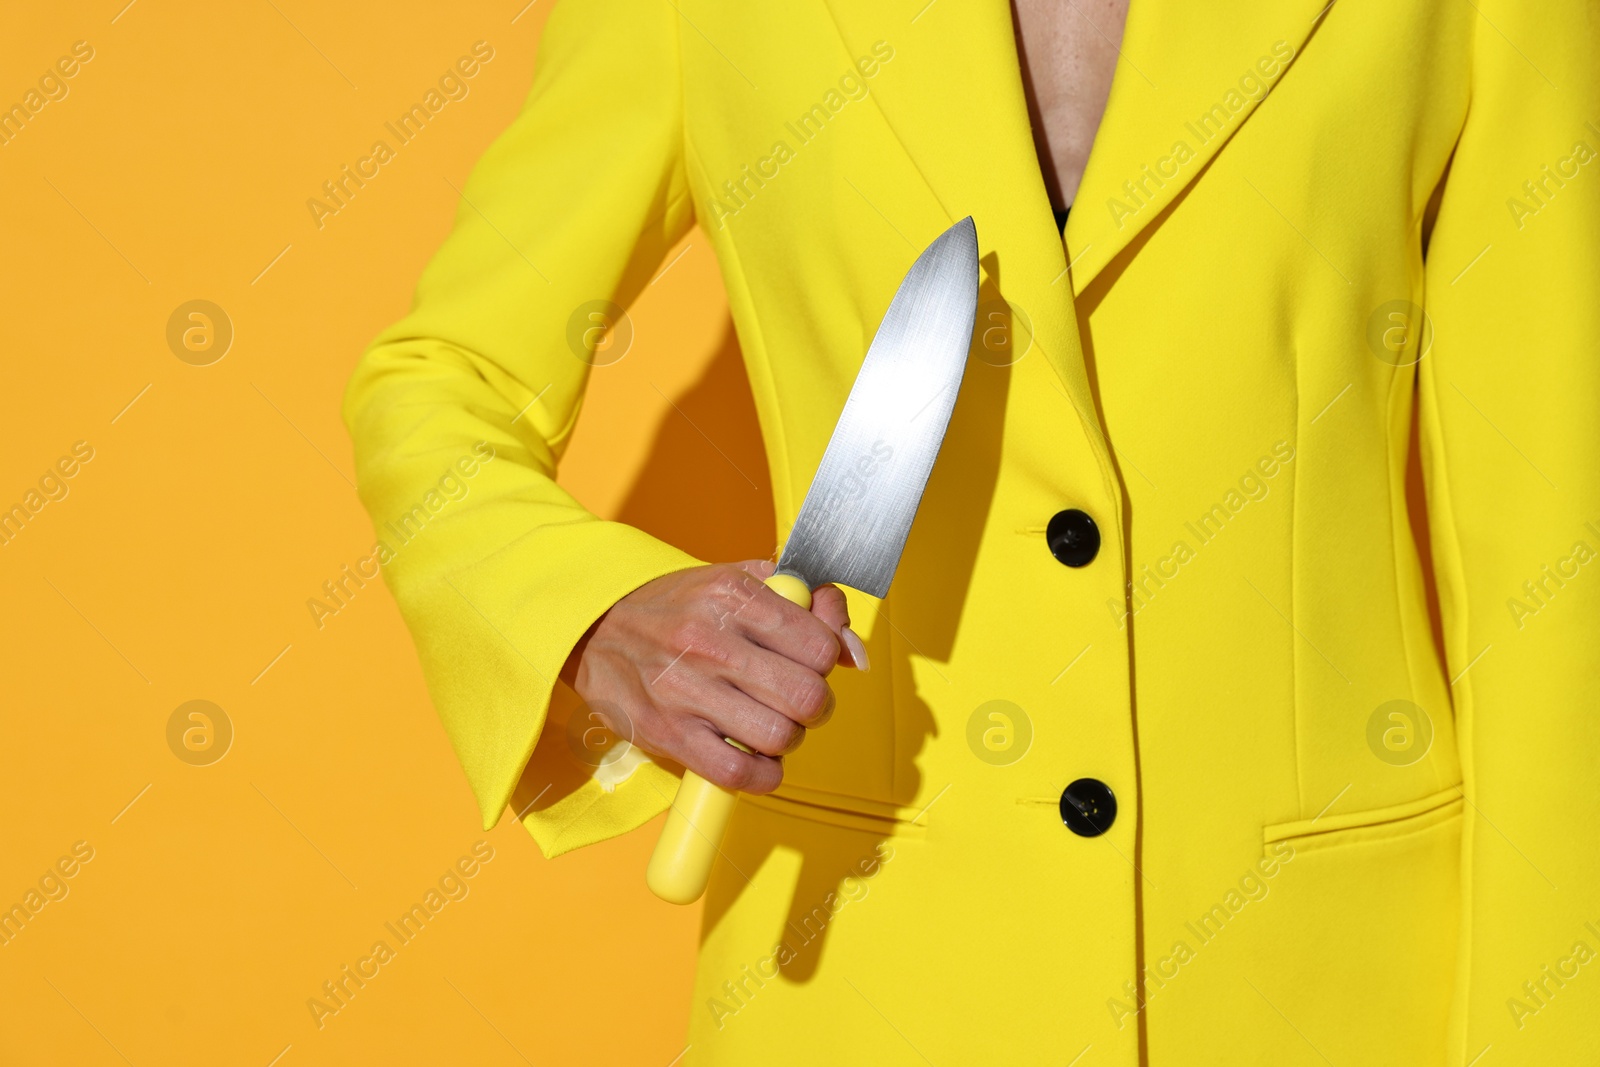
{"x":681,"y":864}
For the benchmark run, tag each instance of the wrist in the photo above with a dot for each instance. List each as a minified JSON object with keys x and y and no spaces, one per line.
{"x":572,"y":669}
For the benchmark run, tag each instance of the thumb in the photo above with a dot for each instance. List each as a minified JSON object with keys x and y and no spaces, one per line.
{"x":829,"y":605}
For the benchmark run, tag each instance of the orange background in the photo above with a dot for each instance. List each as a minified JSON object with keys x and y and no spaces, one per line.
{"x":178,"y":566}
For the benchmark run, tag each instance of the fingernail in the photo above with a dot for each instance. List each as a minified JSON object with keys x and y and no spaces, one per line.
{"x":858,"y":651}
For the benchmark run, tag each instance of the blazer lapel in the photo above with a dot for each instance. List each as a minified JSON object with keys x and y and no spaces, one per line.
{"x":953,"y":99}
{"x":1189,"y":77}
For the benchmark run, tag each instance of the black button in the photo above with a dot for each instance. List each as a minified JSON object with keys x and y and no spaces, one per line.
{"x":1073,"y":537}
{"x":1088,"y":807}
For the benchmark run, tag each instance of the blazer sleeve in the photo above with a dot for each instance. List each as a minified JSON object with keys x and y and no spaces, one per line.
{"x":460,"y":412}
{"x":1510,"y":429}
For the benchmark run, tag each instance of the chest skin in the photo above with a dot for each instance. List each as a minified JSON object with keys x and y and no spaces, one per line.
{"x":1068,"y":53}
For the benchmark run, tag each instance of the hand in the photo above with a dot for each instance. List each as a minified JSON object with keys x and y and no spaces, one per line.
{"x":709,"y":653}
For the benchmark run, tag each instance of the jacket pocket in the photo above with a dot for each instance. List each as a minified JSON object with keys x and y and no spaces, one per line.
{"x":1375,"y":824}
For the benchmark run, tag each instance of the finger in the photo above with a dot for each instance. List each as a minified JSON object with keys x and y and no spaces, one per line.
{"x":774,"y":623}
{"x":776,"y":682}
{"x":717,"y":698}
{"x":828,"y":604}
{"x":763,"y":729}
{"x":702,"y":750}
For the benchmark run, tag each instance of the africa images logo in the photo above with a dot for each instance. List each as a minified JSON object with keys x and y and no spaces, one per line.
{"x":853,"y":485}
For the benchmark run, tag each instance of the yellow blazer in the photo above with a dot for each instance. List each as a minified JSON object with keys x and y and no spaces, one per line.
{"x":1336,"y":655}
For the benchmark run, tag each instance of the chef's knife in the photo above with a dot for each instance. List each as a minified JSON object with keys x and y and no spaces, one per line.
{"x":858,"y":511}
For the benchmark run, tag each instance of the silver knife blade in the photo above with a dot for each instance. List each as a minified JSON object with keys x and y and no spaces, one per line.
{"x":857,"y":514}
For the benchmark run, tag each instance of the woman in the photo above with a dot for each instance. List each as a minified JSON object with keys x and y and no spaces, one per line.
{"x":1234,"y":701}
